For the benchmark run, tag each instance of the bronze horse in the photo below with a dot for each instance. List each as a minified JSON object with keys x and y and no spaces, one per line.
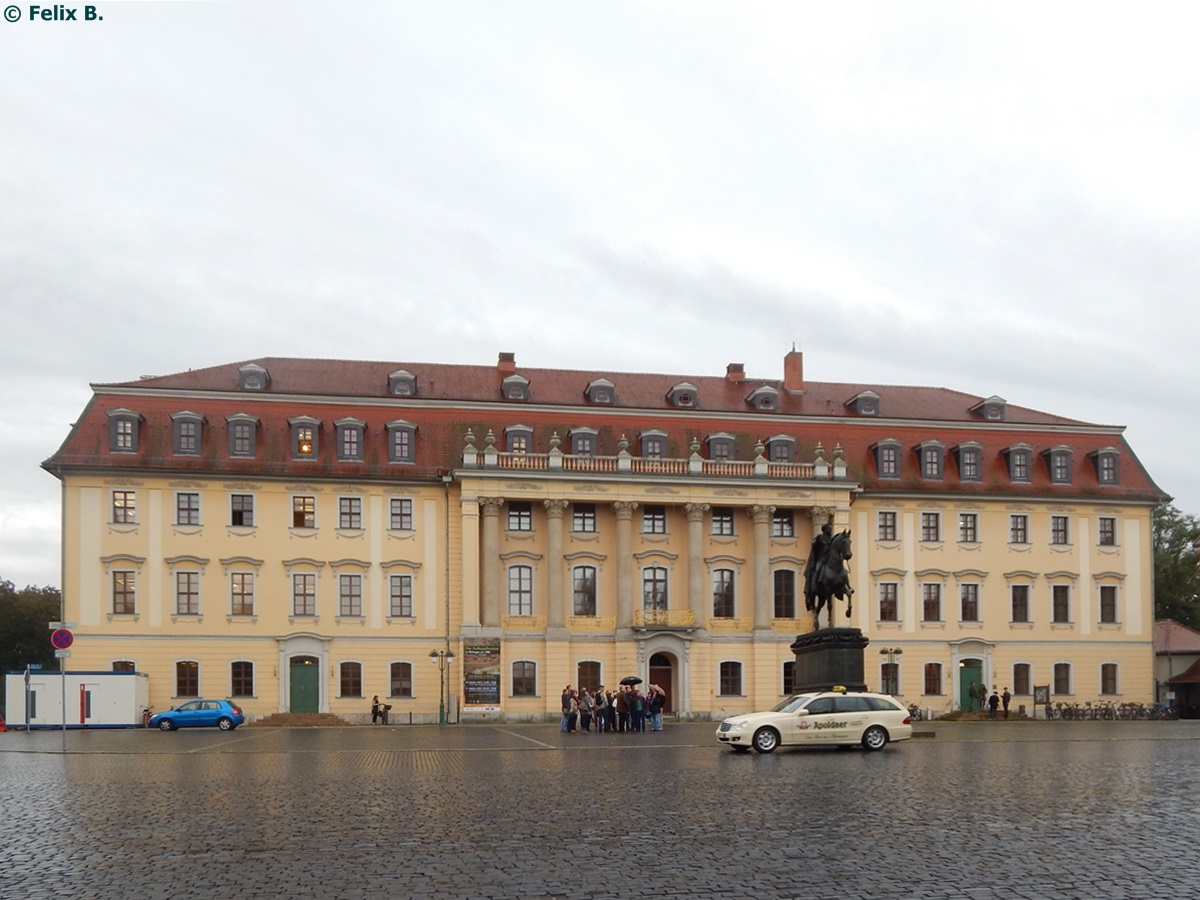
{"x":830,"y":579}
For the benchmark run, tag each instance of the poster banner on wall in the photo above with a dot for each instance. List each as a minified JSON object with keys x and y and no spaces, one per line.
{"x":481,"y":672}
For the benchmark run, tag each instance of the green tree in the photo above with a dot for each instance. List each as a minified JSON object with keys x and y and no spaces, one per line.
{"x":1176,"y":566}
{"x":24,"y":619}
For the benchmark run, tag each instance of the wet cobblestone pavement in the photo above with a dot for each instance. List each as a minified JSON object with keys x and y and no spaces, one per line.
{"x":980,"y":810}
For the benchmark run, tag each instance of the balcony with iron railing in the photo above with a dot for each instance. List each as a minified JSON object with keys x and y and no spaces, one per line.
{"x":624,"y":463}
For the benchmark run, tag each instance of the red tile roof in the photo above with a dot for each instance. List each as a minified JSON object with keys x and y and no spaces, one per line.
{"x":452,"y":398}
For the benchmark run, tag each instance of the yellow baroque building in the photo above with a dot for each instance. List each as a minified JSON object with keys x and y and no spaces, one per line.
{"x":302,"y":535}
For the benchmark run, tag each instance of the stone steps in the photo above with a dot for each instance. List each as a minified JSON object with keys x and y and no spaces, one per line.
{"x":301,"y":720}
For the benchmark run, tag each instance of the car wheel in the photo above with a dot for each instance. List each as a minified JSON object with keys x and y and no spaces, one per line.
{"x":766,"y":740}
{"x":875,"y":738}
{"x":225,"y":723}
{"x":166,"y":725}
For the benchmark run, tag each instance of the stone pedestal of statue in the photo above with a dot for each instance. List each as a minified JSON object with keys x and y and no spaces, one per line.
{"x":830,"y":657}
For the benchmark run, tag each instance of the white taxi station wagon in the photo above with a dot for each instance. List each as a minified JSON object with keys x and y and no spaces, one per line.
{"x":838,"y":718}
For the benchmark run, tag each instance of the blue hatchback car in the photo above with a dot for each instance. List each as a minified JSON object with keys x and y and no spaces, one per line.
{"x":199,"y":714}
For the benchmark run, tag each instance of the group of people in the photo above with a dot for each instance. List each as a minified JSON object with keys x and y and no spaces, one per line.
{"x":990,"y":702}
{"x":625,"y":709}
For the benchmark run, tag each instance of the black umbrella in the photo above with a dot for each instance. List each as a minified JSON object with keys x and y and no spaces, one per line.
{"x":631,"y":679}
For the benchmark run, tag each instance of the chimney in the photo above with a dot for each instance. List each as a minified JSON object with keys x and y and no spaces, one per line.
{"x":793,"y":370}
{"x":735,"y":373}
{"x":507,"y":364}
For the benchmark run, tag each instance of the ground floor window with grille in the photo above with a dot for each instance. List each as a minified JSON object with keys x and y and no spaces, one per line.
{"x":730,"y":681}
{"x":524,"y":678}
{"x":351,"y":679}
{"x":241,"y":678}
{"x":400,"y":684}
{"x":187,"y":678}
{"x":933,"y":678}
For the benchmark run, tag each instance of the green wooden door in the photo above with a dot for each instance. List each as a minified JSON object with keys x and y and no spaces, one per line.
{"x":970,"y":674}
{"x":305,"y":685}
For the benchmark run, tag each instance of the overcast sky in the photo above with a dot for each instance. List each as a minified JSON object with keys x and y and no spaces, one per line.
{"x":995,"y":198}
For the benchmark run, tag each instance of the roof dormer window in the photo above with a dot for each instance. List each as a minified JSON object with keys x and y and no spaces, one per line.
{"x":515,"y":387}
{"x":584,"y":441}
{"x":402,"y":383}
{"x":720,"y":446}
{"x":1020,"y":459}
{"x":765,"y":397}
{"x":1106,"y":462}
{"x":932,"y":455}
{"x":1059,"y":464}
{"x":518,"y":439}
{"x":186,"y":430}
{"x":600,"y":390}
{"x":887,"y":458}
{"x":781,"y":448}
{"x":969,"y":455}
{"x":350,"y":439}
{"x":683,"y":395}
{"x":865,"y":403}
{"x":304,"y":436}
{"x":124,"y":428}
{"x":253,"y":377}
{"x":992,"y":409}
{"x":654,"y":444}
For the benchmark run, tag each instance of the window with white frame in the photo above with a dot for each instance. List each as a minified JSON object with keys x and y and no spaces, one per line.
{"x":1062,"y":678}
{"x":187,"y":593}
{"x":654,"y":519}
{"x":241,"y":593}
{"x":520,"y":590}
{"x":124,"y":592}
{"x":350,"y":595}
{"x":524,"y":678}
{"x":304,"y":594}
{"x":722,"y":594}
{"x":400,"y":514}
{"x":187,"y":508}
{"x":1107,"y":531}
{"x":722,"y":520}
{"x":124,"y":507}
{"x":520,"y":515}
{"x":1060,"y":604}
{"x":784,"y":590}
{"x":889,"y":601}
{"x":187,"y":678}
{"x":304,"y":512}
{"x":783,"y":523}
{"x":583,"y":581}
{"x":1018,"y":529}
{"x":968,"y":528}
{"x":1108,"y":679}
{"x":729,"y":681}
{"x":241,"y":510}
{"x":933,"y":679}
{"x":583,"y":518}
{"x":1019,"y":594}
{"x":241,"y":678}
{"x":931,"y":527}
{"x":931,"y":601}
{"x":350,"y":513}
{"x":1060,"y":530}
{"x":350,"y":680}
{"x":400,"y":680}
{"x":654,"y":588}
{"x":885,"y":525}
{"x":1022,"y":679}
{"x":400,"y":596}
{"x":968,"y":595}
{"x":1108,"y":604}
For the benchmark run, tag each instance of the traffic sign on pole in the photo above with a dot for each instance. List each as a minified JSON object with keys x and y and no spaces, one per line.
{"x":62,"y":638}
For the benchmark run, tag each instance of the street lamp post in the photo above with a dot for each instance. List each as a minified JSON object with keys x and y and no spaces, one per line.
{"x":442,"y":659}
{"x":890,"y":680}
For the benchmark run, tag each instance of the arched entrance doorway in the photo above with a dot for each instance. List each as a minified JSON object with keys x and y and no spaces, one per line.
{"x":970,"y":676}
{"x":662,"y":673}
{"x":304,"y":684}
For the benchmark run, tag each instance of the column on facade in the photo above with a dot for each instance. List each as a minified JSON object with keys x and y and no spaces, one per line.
{"x":695,"y":560}
{"x":625,"y":574}
{"x":762,"y":565}
{"x":556,"y":599}
{"x":489,"y":559}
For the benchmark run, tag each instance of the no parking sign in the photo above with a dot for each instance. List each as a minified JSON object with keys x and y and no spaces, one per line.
{"x":61,"y":638}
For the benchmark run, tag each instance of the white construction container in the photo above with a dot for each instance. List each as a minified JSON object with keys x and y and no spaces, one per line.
{"x":38,"y":698}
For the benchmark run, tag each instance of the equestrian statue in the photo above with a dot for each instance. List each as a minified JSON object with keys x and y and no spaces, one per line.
{"x":825,"y":575}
